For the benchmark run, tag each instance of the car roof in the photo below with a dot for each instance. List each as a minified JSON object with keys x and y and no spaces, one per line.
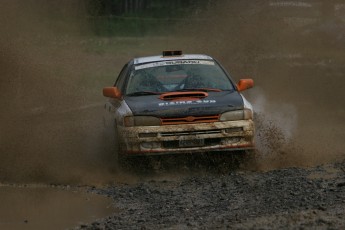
{"x":142,"y":60}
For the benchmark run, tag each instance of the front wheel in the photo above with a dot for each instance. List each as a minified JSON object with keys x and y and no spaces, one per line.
{"x":249,"y":159}
{"x":117,"y":153}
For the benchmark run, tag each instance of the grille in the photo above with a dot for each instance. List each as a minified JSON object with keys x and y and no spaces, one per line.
{"x":186,"y":133}
{"x":189,"y":120}
{"x":175,"y":144}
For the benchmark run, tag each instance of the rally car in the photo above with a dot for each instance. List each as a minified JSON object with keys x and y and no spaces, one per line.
{"x":178,"y":103}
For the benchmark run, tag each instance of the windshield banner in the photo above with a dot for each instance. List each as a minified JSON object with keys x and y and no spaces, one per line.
{"x":175,"y":62}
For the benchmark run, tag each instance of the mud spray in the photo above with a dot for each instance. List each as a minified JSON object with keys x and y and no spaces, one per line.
{"x":49,"y":128}
{"x":50,"y":119}
{"x":298,"y":69}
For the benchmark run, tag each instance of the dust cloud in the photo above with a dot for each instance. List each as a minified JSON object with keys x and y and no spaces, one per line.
{"x":294,"y":54}
{"x":50,"y":119}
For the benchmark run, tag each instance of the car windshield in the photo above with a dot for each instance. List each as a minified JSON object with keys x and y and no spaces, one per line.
{"x":177,"y":75}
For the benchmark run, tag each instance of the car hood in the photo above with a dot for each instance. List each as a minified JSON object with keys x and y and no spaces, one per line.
{"x":214,"y":103}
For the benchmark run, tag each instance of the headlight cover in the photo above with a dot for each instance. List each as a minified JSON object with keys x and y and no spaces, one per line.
{"x":245,"y":114}
{"x":130,"y":121}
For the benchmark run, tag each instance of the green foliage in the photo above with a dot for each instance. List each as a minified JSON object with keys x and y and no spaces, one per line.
{"x":139,"y":17}
{"x":131,"y":26}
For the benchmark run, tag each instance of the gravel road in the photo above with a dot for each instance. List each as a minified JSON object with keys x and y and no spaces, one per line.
{"x":291,"y":198}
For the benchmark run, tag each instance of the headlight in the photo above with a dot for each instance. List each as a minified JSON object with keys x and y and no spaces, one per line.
{"x":141,"y":121}
{"x":244,"y":114}
{"x":248,"y":114}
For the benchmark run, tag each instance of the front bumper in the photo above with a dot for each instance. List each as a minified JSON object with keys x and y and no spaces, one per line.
{"x":187,"y":138}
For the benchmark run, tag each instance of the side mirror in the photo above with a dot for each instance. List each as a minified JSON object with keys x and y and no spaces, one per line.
{"x":112,"y":92}
{"x":244,"y":84}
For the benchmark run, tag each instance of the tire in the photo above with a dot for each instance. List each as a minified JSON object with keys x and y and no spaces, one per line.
{"x":249,"y":159}
{"x":111,"y":148}
{"x":117,"y":156}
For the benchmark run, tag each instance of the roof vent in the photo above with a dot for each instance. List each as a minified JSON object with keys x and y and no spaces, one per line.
{"x":172,"y":53}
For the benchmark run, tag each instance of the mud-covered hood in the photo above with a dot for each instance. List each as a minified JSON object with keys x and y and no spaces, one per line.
{"x":214,"y":103}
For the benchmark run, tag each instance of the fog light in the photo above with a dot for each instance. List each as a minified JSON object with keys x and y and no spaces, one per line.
{"x":233,"y":130}
{"x":232,"y":140}
{"x":143,"y":135}
{"x":150,"y":145}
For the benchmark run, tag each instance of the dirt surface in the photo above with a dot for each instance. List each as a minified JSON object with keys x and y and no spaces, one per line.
{"x":292,"y":198}
{"x":52,"y":72}
{"x":34,"y":207}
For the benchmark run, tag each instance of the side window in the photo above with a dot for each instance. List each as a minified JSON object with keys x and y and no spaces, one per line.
{"x":122,"y":77}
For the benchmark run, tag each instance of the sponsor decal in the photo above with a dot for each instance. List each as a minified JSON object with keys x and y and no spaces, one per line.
{"x":198,"y":102}
{"x":174,"y":62}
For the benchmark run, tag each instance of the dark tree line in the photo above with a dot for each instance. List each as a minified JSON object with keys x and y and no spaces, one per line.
{"x":123,"y":7}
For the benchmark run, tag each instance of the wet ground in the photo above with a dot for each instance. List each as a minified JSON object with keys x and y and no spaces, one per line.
{"x":50,"y":207}
{"x":291,"y":198}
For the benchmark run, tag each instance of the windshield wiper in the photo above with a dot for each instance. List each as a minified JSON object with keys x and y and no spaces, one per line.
{"x":200,"y":89}
{"x":142,"y":93}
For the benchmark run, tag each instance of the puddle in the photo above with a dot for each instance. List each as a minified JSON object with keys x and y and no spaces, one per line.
{"x":49,"y":208}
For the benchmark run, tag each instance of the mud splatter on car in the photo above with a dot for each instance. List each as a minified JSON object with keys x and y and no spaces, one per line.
{"x":175,"y":103}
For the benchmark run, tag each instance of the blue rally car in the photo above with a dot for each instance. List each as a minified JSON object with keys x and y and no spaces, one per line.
{"x":178,"y":103}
